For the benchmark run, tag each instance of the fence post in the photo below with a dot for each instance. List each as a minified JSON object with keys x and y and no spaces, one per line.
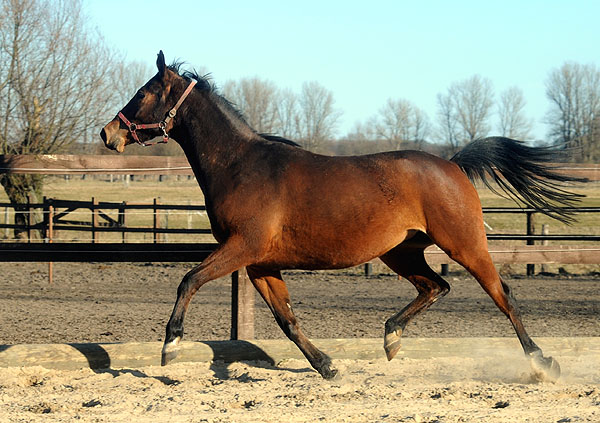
{"x":445,"y":270}
{"x":45,"y":225}
{"x":242,"y":306}
{"x":368,"y":269}
{"x":545,"y":231}
{"x":94,"y":220}
{"x":122,"y":220}
{"x":29,"y":218}
{"x":6,"y":214}
{"x":530,"y":231}
{"x":50,"y":236}
{"x":156,"y":220}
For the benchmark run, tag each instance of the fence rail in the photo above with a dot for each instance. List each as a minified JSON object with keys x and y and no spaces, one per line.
{"x":242,"y":294}
{"x":64,"y":215}
{"x":66,"y":164}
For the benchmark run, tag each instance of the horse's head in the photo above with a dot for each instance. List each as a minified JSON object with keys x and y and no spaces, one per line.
{"x":152,"y":103}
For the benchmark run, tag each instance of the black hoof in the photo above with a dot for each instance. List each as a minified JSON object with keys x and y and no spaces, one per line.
{"x":328,"y":373}
{"x":546,"y":369}
{"x":325,"y":368}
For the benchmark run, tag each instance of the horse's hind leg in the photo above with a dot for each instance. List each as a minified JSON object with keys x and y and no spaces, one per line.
{"x":274,"y":291}
{"x":430,"y":286}
{"x":479,"y":263}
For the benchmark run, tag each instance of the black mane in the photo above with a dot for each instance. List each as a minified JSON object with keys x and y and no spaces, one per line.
{"x":276,"y":138}
{"x":203,"y":83}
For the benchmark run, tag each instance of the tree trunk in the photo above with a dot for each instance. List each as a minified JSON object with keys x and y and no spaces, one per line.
{"x":18,"y":188}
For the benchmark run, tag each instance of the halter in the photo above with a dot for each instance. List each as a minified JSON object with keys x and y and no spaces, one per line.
{"x":162,"y":125}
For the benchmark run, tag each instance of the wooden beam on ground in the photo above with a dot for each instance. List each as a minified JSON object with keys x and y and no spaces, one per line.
{"x":537,"y":254}
{"x":141,"y":354}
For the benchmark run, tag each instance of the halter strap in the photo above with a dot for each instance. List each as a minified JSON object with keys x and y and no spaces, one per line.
{"x":162,"y":125}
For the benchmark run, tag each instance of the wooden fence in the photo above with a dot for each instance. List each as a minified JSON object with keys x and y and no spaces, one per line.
{"x":94,"y":217}
{"x":65,"y":164}
{"x":56,"y":217}
{"x":112,"y":217}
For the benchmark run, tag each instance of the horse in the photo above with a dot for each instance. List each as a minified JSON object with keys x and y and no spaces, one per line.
{"x":275,"y":206}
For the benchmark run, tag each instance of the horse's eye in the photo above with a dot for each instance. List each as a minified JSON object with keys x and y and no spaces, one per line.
{"x":141,"y":95}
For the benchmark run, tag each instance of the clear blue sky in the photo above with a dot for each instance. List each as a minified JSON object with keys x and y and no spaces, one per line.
{"x":363,"y":51}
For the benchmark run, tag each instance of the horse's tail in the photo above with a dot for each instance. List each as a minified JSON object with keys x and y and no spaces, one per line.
{"x":523,"y":173}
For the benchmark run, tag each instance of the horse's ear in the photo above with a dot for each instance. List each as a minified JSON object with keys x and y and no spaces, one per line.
{"x":160,"y":63}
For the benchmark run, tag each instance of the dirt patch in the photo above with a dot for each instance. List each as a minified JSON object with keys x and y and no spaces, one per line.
{"x":103,"y":302}
{"x":132,"y":302}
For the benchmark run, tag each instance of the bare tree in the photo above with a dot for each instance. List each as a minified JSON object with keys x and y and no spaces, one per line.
{"x":394,"y":122}
{"x":400,"y":122}
{"x":363,"y":132}
{"x":511,"y":109}
{"x":448,"y":126}
{"x":288,"y":114}
{"x":257,"y":99}
{"x":128,"y":77}
{"x":55,"y":83}
{"x":574,"y":93}
{"x":464,"y":112}
{"x":421,"y":127}
{"x":317,"y":117}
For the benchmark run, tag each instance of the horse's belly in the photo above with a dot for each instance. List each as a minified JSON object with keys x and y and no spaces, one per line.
{"x":334,"y":250}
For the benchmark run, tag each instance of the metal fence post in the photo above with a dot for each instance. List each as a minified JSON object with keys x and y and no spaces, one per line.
{"x":530,"y":231}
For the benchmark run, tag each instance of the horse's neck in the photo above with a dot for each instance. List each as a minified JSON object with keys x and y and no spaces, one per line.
{"x":213,"y":145}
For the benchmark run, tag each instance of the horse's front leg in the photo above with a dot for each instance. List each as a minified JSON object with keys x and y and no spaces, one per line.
{"x":228,"y":258}
{"x":274,"y":291}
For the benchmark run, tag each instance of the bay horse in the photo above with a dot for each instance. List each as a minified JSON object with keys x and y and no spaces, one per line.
{"x":275,"y":206}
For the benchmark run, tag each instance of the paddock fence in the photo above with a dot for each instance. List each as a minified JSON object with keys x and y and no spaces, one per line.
{"x":158,"y":245}
{"x":111,"y":223}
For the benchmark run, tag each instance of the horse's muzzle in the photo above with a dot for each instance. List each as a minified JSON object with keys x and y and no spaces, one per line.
{"x":111,"y":137}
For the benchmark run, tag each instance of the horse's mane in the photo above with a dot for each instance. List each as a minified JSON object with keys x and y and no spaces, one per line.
{"x":276,"y":138}
{"x":203,"y":83}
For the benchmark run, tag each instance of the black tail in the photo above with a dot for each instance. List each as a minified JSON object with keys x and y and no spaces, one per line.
{"x":523,"y":173}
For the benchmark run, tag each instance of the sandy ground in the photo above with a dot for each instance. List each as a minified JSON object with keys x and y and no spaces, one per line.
{"x":121,"y":303}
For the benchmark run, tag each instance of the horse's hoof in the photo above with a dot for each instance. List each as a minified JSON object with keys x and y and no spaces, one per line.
{"x":170,"y":351}
{"x":392,"y":344}
{"x":328,"y":373}
{"x":324,"y":367}
{"x":546,"y":369}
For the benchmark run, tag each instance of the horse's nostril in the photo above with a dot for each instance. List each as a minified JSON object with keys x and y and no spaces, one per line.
{"x":103,"y":135}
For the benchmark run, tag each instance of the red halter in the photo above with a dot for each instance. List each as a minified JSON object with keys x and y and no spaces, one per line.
{"x":162,"y":125}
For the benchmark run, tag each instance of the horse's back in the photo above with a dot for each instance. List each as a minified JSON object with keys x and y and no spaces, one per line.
{"x":341,"y":211}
